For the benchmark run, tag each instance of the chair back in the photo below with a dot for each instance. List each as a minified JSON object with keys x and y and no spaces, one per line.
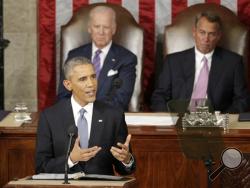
{"x":178,"y":35}
{"x":128,"y":34}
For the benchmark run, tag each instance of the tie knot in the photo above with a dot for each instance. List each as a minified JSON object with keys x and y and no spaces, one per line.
{"x":82,"y":111}
{"x":204,"y":59}
{"x":97,"y":52}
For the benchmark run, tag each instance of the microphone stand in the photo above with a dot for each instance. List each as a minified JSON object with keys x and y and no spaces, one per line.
{"x":66,"y":179}
{"x":66,"y":167}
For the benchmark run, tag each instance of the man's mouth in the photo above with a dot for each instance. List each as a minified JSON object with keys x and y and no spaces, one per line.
{"x":90,"y":93}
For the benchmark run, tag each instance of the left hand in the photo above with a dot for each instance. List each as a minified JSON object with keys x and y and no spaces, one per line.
{"x":122,"y":153}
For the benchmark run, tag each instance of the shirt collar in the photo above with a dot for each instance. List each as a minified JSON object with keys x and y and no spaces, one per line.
{"x":104,"y":50}
{"x":77,"y":107}
{"x":200,"y":55}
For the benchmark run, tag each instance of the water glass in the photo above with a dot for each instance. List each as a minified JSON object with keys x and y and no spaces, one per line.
{"x":21,"y":111}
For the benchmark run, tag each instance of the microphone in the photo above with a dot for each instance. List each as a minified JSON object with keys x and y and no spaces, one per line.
{"x":116,"y":84}
{"x":72,"y":131}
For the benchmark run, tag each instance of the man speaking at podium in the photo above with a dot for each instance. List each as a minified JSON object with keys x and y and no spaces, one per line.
{"x":102,"y":141}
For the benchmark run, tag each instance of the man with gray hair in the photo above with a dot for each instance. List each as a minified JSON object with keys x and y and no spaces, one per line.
{"x":114,"y":65}
{"x":205,"y":71}
{"x":103,"y":139}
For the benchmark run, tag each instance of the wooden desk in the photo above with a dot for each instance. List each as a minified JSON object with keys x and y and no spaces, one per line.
{"x":17,"y":151}
{"x":159,"y":156}
{"x":25,"y":183}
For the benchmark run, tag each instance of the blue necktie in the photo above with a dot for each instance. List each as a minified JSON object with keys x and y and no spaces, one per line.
{"x":82,"y":125}
{"x":97,"y":62}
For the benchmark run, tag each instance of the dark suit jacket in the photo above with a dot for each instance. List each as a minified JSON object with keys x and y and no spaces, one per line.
{"x":227,"y":91}
{"x":52,"y":139}
{"x":118,"y":59}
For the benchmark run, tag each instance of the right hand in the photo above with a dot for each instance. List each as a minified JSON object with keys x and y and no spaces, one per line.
{"x":79,"y":154}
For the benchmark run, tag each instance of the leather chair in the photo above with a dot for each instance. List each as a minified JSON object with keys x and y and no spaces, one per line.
{"x":178,"y":35}
{"x":128,"y":34}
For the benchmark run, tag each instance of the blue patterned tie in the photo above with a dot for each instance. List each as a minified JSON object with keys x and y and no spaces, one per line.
{"x":97,"y":62}
{"x":82,"y":125}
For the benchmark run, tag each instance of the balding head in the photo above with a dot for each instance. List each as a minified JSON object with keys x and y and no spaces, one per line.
{"x":102,"y":25}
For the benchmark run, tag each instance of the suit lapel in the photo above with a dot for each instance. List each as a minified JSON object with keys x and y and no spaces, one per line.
{"x":88,"y":52}
{"x":189,"y":72}
{"x":97,"y":125}
{"x":68,"y":117}
{"x":215,"y":72}
{"x":108,"y":64}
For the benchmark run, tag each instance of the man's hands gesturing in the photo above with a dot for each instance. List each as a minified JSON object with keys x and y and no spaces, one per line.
{"x":122,"y":153}
{"x":79,"y":154}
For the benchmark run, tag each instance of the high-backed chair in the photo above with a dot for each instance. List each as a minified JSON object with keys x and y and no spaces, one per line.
{"x":178,"y":35}
{"x":128,"y":34}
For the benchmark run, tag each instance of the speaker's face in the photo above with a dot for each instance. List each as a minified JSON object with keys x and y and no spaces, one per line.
{"x":206,"y":35}
{"x":83,"y":83}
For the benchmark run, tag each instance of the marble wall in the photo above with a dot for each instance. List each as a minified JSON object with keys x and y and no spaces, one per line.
{"x":20,"y":68}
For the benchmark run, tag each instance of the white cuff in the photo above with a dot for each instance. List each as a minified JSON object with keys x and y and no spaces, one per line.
{"x":70,"y":163}
{"x":130,"y":162}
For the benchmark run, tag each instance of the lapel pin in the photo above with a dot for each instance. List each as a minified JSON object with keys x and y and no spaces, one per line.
{"x":100,"y":120}
{"x":113,"y":60}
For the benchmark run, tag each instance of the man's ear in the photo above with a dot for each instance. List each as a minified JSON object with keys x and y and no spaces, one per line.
{"x":193,"y":31}
{"x":114,"y":27}
{"x":67,"y":85}
{"x":89,"y":27}
{"x":219,"y":35}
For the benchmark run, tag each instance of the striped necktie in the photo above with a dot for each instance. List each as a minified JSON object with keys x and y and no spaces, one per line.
{"x":97,"y":62}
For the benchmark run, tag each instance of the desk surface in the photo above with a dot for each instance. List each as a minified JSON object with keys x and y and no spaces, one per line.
{"x":158,"y":150}
{"x":22,"y":183}
{"x":30,"y":128}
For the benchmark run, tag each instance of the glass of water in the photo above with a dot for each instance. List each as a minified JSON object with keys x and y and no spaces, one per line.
{"x":21,"y":112}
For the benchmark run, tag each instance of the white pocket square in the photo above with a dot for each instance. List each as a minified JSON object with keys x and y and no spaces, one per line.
{"x":112,"y":72}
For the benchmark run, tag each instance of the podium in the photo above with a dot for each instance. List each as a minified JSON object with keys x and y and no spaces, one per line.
{"x":158,"y":151}
{"x":28,"y":183}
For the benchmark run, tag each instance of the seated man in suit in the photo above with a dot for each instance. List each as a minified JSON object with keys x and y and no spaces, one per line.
{"x":204,"y":71}
{"x":114,"y":65}
{"x":103,"y":139}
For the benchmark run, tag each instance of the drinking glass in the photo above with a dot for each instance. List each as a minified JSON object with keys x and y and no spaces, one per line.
{"x":21,"y":112}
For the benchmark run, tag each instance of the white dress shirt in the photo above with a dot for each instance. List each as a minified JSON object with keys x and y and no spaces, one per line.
{"x":76,"y":112}
{"x":88,"y":115}
{"x":199,"y":63}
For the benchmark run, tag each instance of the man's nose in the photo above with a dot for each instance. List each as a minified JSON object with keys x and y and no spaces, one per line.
{"x":101,"y":30}
{"x":206,"y":37}
{"x":90,"y":82}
